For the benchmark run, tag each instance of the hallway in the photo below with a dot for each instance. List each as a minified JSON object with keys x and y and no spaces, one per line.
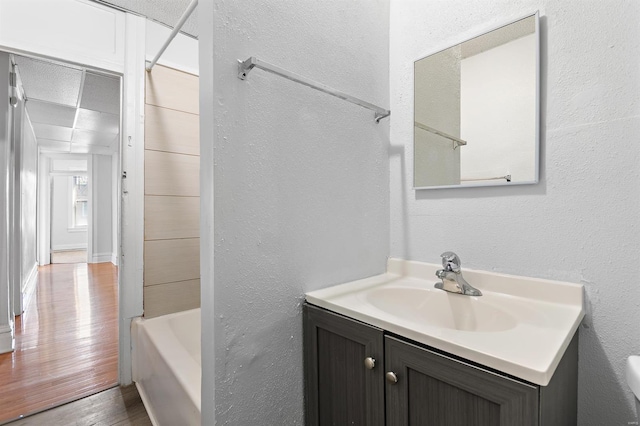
{"x":66,"y":340}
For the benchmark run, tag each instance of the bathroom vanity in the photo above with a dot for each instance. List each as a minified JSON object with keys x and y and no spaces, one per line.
{"x":392,"y":350}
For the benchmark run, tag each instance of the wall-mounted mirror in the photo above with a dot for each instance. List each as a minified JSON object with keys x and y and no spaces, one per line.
{"x":476,"y":110}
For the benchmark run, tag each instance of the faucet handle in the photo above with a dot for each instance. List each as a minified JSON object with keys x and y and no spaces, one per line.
{"x":450,"y":261}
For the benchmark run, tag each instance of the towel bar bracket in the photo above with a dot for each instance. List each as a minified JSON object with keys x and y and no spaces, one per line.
{"x":244,"y":67}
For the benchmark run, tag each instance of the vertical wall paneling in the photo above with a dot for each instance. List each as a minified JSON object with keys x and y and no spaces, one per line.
{"x":172,"y":193}
{"x":170,"y":130}
{"x":172,"y":89}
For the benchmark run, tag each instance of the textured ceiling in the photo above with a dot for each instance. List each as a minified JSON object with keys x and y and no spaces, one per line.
{"x":101,"y":93}
{"x":62,"y":86}
{"x":71,"y":109}
{"x":167,"y":12}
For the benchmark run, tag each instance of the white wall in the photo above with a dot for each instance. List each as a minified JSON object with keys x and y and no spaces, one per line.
{"x":115,"y":191}
{"x":583,"y":220}
{"x":28,"y":187}
{"x":77,"y":31}
{"x":100,"y":182}
{"x":301,"y":188}
{"x":497,"y":108}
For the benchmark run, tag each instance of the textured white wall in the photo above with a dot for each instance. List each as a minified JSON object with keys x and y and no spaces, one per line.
{"x":582,"y":222}
{"x":301,"y":187}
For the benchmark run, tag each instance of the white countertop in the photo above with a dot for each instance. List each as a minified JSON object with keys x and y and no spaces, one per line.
{"x":520,"y":326}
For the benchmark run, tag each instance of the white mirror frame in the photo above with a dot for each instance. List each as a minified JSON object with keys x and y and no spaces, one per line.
{"x":537,"y":110}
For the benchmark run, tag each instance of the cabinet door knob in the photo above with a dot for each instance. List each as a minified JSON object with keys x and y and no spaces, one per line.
{"x":370,"y":363}
{"x":391,"y":377}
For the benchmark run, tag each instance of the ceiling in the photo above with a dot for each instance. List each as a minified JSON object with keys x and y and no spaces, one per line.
{"x":167,"y":12}
{"x":72,"y":109}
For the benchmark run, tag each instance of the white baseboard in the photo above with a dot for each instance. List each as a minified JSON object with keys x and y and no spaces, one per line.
{"x":69,"y":247}
{"x":101,"y":257}
{"x":6,"y":339}
{"x":114,"y":259}
{"x":29,"y":286}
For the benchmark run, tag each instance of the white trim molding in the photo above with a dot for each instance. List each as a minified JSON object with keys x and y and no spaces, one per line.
{"x":101,"y":257}
{"x":29,"y":287}
{"x":84,"y":33}
{"x":7,"y":342}
{"x":131,"y":230}
{"x":69,"y":247}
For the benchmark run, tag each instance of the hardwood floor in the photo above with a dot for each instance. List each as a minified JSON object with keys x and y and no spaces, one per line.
{"x":116,"y":406}
{"x":66,"y":340}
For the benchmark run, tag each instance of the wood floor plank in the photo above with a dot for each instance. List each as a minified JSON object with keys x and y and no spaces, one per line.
{"x":116,"y":406}
{"x":66,"y":341}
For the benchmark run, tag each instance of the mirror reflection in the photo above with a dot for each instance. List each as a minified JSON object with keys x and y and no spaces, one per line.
{"x":476,"y":110}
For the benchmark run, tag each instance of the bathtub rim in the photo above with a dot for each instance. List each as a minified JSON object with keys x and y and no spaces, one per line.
{"x":168,"y":353}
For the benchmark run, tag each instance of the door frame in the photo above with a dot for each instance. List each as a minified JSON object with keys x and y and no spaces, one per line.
{"x":126,"y":60}
{"x":48,"y":192}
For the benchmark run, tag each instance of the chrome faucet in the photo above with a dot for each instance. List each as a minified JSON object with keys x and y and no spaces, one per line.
{"x":451,"y":276}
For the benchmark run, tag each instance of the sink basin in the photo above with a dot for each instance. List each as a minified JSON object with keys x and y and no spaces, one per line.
{"x":520,"y":326}
{"x":633,"y":377}
{"x":441,"y":309}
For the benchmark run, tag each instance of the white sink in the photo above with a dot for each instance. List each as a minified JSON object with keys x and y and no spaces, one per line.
{"x":520,"y":325}
{"x":441,"y":309}
{"x":633,"y":376}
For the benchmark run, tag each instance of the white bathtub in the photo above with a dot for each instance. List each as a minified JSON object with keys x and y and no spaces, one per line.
{"x":167,"y":367}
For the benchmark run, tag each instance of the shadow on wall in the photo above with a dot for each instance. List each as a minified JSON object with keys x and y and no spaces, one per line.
{"x":601,"y":374}
{"x":399,"y":151}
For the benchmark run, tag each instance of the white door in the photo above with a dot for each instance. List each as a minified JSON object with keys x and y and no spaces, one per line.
{"x":6,"y":116}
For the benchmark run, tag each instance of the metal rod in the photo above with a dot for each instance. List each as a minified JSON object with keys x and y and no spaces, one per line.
{"x":439,"y":133}
{"x":174,"y":32}
{"x":244,"y":67}
{"x":507,"y":178}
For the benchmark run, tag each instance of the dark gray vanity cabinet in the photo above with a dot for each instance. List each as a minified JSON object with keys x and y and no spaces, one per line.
{"x":433,"y":389}
{"x":339,"y":388}
{"x":355,"y":374}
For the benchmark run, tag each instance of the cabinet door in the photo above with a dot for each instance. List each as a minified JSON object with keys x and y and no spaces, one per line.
{"x":435,"y":390}
{"x":340,"y":388}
